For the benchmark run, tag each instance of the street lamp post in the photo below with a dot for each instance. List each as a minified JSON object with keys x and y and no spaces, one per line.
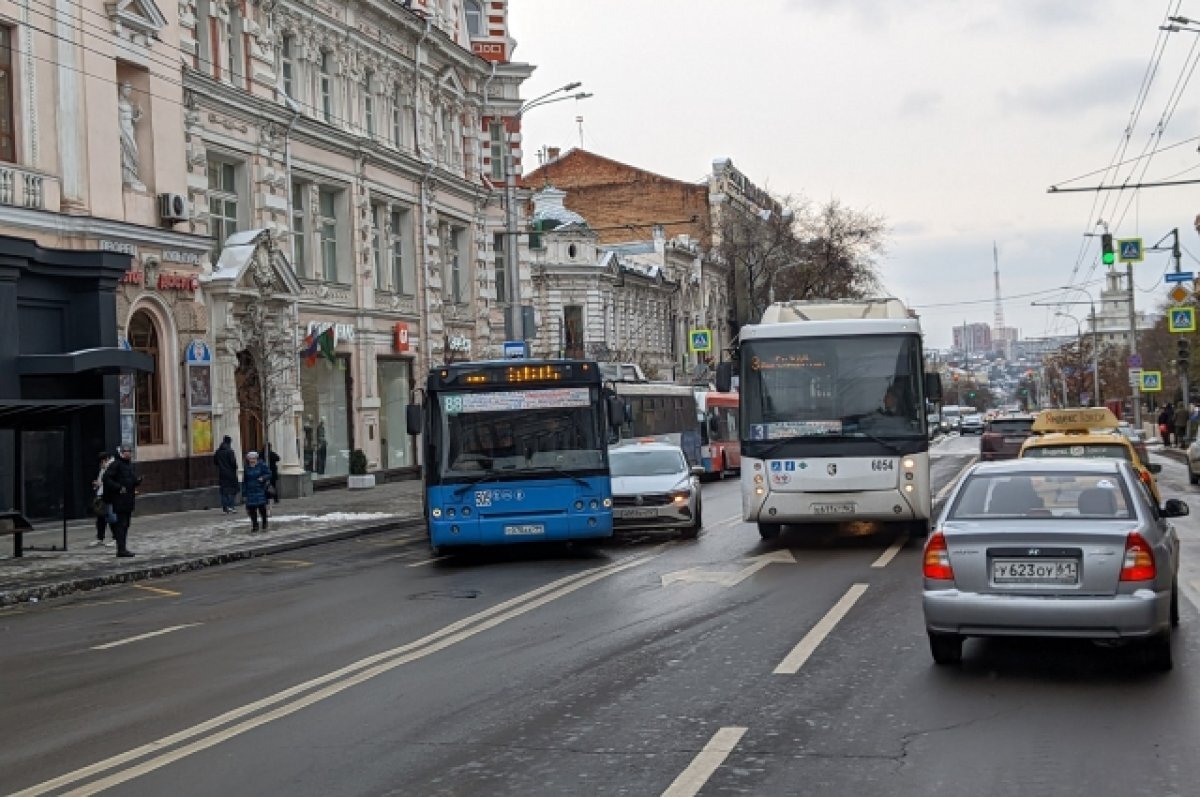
{"x":1079,"y":339}
{"x":512,"y":260}
{"x":1095,"y":337}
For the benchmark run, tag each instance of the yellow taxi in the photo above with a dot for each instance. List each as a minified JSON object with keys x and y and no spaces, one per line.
{"x":1088,"y":433}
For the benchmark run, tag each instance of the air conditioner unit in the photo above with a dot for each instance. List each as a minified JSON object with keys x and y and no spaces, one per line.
{"x":172,"y":207}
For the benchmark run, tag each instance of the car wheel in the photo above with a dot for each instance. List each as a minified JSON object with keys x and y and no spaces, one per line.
{"x":769,"y":531}
{"x":1174,"y":604}
{"x":1158,"y":652}
{"x":946,"y":649}
{"x":693,"y":531}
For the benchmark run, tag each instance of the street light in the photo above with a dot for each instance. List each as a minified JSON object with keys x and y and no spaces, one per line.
{"x":512,"y":264}
{"x":1095,"y":337}
{"x":1079,"y":338}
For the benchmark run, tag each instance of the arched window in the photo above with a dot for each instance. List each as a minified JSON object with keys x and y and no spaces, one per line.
{"x":143,"y":337}
{"x":474,"y":12}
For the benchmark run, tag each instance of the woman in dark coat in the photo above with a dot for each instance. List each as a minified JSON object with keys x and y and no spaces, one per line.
{"x":120,"y":489}
{"x":227,"y":480}
{"x":255,"y":479}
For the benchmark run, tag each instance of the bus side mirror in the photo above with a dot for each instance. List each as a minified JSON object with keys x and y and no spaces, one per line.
{"x":933,"y":388}
{"x":413,"y":417}
{"x":724,"y":377}
{"x":616,"y":411}
{"x":714,"y":427}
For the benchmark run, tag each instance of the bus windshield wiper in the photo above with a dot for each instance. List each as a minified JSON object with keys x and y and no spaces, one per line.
{"x":462,"y":488}
{"x":777,"y":444}
{"x":550,"y":469}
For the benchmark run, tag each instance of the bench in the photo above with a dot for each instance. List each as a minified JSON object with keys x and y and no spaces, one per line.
{"x":14,"y":523}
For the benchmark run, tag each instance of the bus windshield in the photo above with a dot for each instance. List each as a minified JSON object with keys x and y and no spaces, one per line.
{"x":558,"y":429}
{"x":844,"y":386}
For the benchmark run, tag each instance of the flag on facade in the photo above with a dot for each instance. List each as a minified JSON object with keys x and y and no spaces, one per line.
{"x":326,"y":341}
{"x":310,"y":350}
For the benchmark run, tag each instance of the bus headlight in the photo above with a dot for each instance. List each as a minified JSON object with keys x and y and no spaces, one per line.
{"x":910,"y":463}
{"x":758,"y":479}
{"x":436,"y":512}
{"x":607,"y":503}
{"x":579,"y":505}
{"x":908,"y":488}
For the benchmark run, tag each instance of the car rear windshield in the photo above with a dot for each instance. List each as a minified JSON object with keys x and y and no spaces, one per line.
{"x":1042,"y":495}
{"x":1080,"y":451}
{"x":1011,"y":426}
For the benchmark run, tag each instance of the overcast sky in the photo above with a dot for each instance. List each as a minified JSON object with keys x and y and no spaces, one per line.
{"x":949,"y":118}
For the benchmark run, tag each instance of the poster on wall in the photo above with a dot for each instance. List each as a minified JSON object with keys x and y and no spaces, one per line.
{"x":200,"y":385}
{"x":128,"y":429}
{"x":202,"y":433}
{"x":127,"y":392}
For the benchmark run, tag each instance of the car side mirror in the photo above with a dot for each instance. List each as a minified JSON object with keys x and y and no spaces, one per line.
{"x":1175,"y":508}
{"x":933,"y":388}
{"x":698,"y":470}
{"x":414,"y":419}
{"x":1154,"y":467}
{"x":724,"y":377}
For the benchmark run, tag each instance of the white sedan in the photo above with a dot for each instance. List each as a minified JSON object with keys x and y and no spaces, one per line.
{"x":654,"y":488}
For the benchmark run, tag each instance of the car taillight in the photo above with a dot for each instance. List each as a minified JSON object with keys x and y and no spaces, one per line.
{"x":937,"y":558}
{"x":1144,"y":475}
{"x":1139,"y":559}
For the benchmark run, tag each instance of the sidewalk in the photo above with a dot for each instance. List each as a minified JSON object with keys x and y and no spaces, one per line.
{"x":182,"y":541}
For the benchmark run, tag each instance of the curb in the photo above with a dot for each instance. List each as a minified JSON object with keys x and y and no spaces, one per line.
{"x":58,"y":589}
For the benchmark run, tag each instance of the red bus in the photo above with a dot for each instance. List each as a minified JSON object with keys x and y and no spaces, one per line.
{"x":720,"y":451}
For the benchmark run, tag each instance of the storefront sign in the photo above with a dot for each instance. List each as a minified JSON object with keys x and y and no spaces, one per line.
{"x":187,"y":258}
{"x":400,"y":336}
{"x":118,"y":246}
{"x":132,"y":277}
{"x":459,"y":343}
{"x":188,"y":283}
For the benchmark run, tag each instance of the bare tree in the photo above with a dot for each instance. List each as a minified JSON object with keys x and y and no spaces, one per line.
{"x":838,"y":255}
{"x":756,"y":244}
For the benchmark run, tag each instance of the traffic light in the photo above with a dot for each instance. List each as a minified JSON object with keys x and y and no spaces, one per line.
{"x":1106,"y":247}
{"x":1184,"y":350}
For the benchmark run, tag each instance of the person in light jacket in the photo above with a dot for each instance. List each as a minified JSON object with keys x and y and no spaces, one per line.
{"x":104,"y":511}
{"x":255,"y":479}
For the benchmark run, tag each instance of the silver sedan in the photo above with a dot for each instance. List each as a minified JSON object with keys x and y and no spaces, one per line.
{"x":1037,"y":547}
{"x":653,"y":487}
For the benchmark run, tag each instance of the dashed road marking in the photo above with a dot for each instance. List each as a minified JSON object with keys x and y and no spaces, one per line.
{"x":807,"y":646}
{"x":429,"y":561}
{"x":692,"y":780}
{"x":729,"y":521}
{"x":887,"y":556}
{"x":141,"y":637}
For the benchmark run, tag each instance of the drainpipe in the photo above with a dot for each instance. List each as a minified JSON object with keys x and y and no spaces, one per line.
{"x":429,"y":167}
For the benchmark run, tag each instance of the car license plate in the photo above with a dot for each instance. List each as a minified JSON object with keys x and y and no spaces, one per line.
{"x":1035,"y":571}
{"x":1014,"y":439}
{"x":833,"y":509}
{"x":527,"y":530}
{"x":634,"y":512}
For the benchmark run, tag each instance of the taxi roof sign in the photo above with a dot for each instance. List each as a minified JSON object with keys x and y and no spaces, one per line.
{"x":1074,"y":420}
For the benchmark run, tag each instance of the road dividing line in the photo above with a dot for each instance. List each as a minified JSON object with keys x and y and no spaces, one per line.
{"x":158,"y":590}
{"x":140,"y":637}
{"x":887,"y":556}
{"x":795,"y":660}
{"x":692,"y":780}
{"x":425,"y":562}
{"x":729,"y":521}
{"x":945,"y":491}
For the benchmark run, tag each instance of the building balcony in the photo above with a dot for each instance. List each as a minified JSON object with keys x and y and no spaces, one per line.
{"x":24,"y":188}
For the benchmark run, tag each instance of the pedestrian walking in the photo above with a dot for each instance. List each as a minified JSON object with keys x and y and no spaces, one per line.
{"x":273,"y":464}
{"x":255,"y":479}
{"x":121,"y":480}
{"x":101,"y":508}
{"x":227,"y":477}
{"x":1166,"y":420}
{"x":1181,"y":423}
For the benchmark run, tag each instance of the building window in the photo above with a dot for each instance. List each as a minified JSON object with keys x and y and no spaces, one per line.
{"x":501,"y":266}
{"x":573,"y":332}
{"x":327,"y":86}
{"x":327,"y":433}
{"x":222,"y":200}
{"x":369,"y":103}
{"x":398,"y":119}
{"x":455,"y":275}
{"x":404,"y":277}
{"x":299,"y":251}
{"x":497,"y":150}
{"x":395,"y":383}
{"x":143,"y":337}
{"x":474,"y":12}
{"x":379,"y":220}
{"x":327,"y":227}
{"x":287,"y":66}
{"x":8,"y":139}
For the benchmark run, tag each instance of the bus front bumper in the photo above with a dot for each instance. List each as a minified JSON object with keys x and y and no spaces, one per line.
{"x":510,"y":529}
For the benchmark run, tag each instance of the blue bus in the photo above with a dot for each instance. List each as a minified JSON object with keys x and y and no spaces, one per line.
{"x":515,"y":451}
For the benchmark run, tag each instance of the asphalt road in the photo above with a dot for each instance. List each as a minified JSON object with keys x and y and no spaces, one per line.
{"x":647,"y":666}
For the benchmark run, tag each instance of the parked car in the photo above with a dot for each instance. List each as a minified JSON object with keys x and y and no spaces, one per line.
{"x":654,"y":487}
{"x":971,"y":424}
{"x":1193,"y":462}
{"x":1003,"y":436}
{"x":1053,"y":548}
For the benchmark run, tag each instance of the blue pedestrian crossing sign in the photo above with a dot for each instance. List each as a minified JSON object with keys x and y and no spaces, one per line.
{"x":1182,"y":319}
{"x":1151,"y":381}
{"x":700,"y":340}
{"x":1129,"y":250}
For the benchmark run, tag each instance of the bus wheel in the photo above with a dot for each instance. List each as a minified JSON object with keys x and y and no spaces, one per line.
{"x":769,"y":531}
{"x":918,"y":529}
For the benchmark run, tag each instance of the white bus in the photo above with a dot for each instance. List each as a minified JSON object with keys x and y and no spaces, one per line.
{"x":833,"y":422}
{"x":660,"y":410}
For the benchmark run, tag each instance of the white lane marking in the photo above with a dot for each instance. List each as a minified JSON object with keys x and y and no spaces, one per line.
{"x":698,"y":575}
{"x":729,"y":521}
{"x":140,"y":637}
{"x":887,"y":556}
{"x":425,"y":562}
{"x":692,"y":780}
{"x":945,"y":491}
{"x":350,"y":675}
{"x":795,"y":660}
